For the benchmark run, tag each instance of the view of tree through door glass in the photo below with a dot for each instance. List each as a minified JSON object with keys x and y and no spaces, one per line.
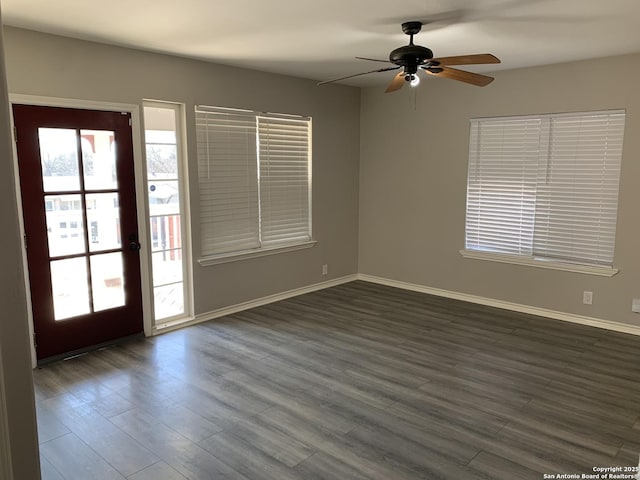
{"x":165,"y":212}
{"x":83,"y":220}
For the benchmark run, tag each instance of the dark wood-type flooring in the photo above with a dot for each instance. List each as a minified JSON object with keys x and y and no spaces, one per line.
{"x":358,"y":381}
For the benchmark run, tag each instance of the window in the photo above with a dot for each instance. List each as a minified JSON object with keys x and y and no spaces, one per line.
{"x":545,"y":188}
{"x":254,"y":174}
{"x":167,"y":209}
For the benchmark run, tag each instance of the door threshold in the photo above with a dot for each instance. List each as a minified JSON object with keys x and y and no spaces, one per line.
{"x":83,"y":351}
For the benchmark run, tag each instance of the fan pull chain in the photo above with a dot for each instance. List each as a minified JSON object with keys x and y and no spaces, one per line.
{"x":413,"y":99}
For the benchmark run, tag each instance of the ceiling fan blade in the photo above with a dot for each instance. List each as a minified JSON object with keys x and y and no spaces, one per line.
{"x":373,"y":59}
{"x":395,"y":67}
{"x":479,"y":59}
{"x":460,"y":75}
{"x":397,"y":83}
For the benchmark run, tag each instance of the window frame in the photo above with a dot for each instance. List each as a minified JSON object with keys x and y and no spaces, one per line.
{"x":184,"y":214}
{"x":262,"y":250}
{"x":534,"y":260}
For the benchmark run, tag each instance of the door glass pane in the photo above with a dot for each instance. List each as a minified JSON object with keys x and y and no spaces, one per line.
{"x":70,"y":288}
{"x":168,"y":300}
{"x":165,"y":232}
{"x":167,"y":267}
{"x":164,"y":197}
{"x":103,"y":216}
{"x":65,"y":227}
{"x":108,"y":283}
{"x":99,"y":160}
{"x":59,"y":158}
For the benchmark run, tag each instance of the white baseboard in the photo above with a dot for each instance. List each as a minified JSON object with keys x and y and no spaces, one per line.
{"x":221,"y":312}
{"x":490,"y":302}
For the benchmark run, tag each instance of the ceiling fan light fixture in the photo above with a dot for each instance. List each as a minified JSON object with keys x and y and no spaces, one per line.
{"x":413,"y":79}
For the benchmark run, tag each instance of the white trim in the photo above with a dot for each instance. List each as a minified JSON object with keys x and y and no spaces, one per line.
{"x":258,"y":252}
{"x":23,"y":249}
{"x":143,"y":224}
{"x":614,"y":111}
{"x":70,"y":103}
{"x":490,"y":302}
{"x":138,"y":158}
{"x":310,"y":176}
{"x":542,"y":312}
{"x":6,"y":469}
{"x":221,"y":312}
{"x":249,"y":113}
{"x":185,"y":207}
{"x":540,"y":263}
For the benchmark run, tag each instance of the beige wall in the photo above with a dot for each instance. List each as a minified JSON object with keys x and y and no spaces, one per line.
{"x":413,"y":170}
{"x":14,"y":335}
{"x":40,"y":64}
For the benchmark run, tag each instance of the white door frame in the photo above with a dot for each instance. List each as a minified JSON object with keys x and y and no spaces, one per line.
{"x":6,"y":470}
{"x":141,"y":194}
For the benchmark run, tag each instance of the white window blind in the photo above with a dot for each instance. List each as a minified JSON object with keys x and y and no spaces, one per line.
{"x":284,"y":179}
{"x":501,"y":195}
{"x":227,"y":174}
{"x":545,"y":187}
{"x":254,"y":176}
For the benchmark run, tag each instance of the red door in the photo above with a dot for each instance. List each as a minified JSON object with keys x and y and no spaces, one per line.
{"x":78,"y":199}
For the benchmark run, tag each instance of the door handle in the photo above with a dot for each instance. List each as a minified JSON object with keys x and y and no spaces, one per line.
{"x":134,"y":245}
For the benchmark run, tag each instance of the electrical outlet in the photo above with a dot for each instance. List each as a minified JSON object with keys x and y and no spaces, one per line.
{"x":325,"y":269}
{"x":587,"y":297}
{"x":635,"y":305}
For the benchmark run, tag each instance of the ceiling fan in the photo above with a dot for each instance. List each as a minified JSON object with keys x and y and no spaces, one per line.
{"x":411,"y":58}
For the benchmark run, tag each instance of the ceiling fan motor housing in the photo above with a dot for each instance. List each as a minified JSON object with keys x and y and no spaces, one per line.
{"x":410,"y":57}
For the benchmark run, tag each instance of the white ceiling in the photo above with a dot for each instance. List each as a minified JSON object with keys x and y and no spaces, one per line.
{"x":318,"y":39}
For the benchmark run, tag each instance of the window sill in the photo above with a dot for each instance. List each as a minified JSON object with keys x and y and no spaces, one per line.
{"x":246,"y":254}
{"x":539,"y":263}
